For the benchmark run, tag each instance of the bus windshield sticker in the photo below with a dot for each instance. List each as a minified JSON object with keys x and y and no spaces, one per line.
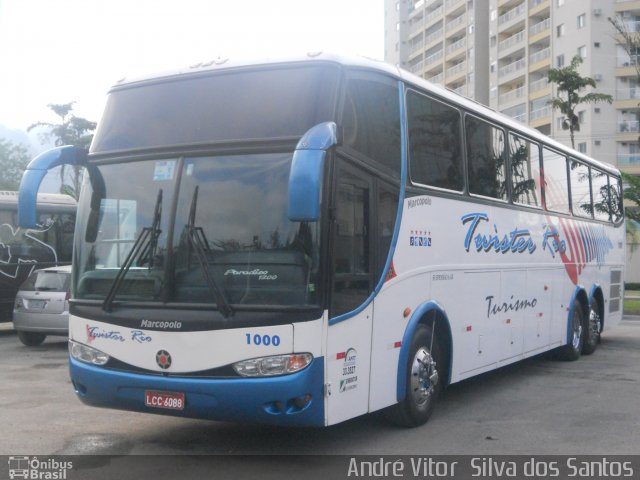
{"x":164,"y":170}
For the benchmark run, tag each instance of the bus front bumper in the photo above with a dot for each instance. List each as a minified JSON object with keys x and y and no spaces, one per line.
{"x":294,"y":400}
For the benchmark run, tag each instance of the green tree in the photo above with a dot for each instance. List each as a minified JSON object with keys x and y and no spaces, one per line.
{"x":570,"y":84}
{"x":13,"y":161}
{"x":71,"y":130}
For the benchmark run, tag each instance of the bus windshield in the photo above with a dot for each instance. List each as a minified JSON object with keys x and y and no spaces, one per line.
{"x":229,"y":235}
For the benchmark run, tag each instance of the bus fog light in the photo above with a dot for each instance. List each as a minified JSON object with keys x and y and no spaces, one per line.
{"x":87,"y":354}
{"x":273,"y":365}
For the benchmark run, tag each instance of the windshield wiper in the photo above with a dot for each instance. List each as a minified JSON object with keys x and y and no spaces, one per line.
{"x":198,"y":242}
{"x":144,"y":249}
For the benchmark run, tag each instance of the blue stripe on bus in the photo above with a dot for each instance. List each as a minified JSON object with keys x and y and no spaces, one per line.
{"x":228,"y":399}
{"x":396,"y":230}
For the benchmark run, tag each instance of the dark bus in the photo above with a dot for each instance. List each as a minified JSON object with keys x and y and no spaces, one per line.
{"x":24,"y":250}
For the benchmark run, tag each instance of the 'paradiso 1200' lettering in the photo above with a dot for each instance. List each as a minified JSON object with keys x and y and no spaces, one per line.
{"x":256,"y":272}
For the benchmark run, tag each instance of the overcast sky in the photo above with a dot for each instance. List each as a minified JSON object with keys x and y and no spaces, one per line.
{"x":57,"y":51}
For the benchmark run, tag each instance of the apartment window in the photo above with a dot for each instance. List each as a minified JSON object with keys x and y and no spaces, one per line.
{"x":582,"y":51}
{"x":560,"y":30}
{"x":582,"y":20}
{"x":560,"y":61}
{"x":493,"y":41}
{"x":398,"y":27}
{"x":559,"y":3}
{"x":582,"y":147}
{"x":581,"y":116}
{"x":397,"y":6}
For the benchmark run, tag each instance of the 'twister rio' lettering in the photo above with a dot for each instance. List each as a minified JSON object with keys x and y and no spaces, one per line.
{"x":517,"y":241}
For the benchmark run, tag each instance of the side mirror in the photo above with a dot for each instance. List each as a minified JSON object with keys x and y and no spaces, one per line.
{"x":307,"y":167}
{"x":35,"y":173}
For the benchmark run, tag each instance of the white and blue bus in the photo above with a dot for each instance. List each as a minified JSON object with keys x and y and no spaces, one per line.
{"x":306,"y":241}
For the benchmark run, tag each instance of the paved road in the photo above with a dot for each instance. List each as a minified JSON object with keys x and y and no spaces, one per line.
{"x":539,"y":406}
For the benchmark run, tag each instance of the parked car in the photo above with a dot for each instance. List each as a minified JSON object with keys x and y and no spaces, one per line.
{"x":41,"y":307}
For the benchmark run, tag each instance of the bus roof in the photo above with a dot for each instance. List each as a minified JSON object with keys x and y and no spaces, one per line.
{"x":225,"y":64}
{"x":11,"y":198}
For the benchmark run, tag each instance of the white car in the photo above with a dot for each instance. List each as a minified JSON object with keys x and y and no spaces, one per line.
{"x":41,"y":307}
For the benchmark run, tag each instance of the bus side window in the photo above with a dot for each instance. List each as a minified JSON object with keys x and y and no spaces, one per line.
{"x":435,"y":157}
{"x":485,"y":155}
{"x":601,"y":193}
{"x":556,"y":190}
{"x":525,"y":171}
{"x":371,"y":120}
{"x":580,"y":189}
{"x":615,"y":199}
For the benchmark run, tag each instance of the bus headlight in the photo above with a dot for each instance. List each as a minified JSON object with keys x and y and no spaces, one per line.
{"x":273,"y":365}
{"x":87,"y":354}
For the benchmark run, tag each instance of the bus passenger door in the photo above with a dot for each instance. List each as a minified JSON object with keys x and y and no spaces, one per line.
{"x":349,"y":339}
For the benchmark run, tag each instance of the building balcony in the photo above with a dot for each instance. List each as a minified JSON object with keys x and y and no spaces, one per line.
{"x":626,"y":5}
{"x":538,"y":6}
{"x":416,"y":68}
{"x":512,"y":41}
{"x":416,"y":26}
{"x":512,"y":95}
{"x":456,"y":23}
{"x":539,"y":114}
{"x":512,"y":68}
{"x":540,"y":55}
{"x":628,"y":126}
{"x":456,"y":70}
{"x":439,"y":79}
{"x":511,"y":15}
{"x":433,"y":16}
{"x":434,"y":57}
{"x":629,"y":160}
{"x":434,"y":37}
{"x":540,"y":30}
{"x":628,"y":93}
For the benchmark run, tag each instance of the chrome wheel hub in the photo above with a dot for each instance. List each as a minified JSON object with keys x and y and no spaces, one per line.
{"x":424,"y":376}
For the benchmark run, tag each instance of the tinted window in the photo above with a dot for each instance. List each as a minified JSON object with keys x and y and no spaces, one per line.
{"x":601,"y":195}
{"x":435,"y":156}
{"x":371,"y":120}
{"x":525,"y":171}
{"x":580,"y":189}
{"x":236,"y":105}
{"x":485,"y":154}
{"x":556,"y":192}
{"x":47,"y":282}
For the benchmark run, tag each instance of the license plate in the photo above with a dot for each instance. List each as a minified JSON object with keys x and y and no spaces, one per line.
{"x":168,"y":400}
{"x":34,"y":304}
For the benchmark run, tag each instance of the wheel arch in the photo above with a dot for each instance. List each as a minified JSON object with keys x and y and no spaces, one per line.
{"x":579,"y":295}
{"x":426,"y":313}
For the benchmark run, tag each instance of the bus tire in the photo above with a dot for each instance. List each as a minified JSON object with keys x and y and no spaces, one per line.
{"x":593,"y":327}
{"x":423,"y":383}
{"x":572,"y":350}
{"x":31,"y":339}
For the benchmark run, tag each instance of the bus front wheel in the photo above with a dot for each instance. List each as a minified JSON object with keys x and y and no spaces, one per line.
{"x":423,"y":383}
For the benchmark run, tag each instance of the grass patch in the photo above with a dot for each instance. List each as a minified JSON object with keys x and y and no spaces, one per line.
{"x":632,"y":307}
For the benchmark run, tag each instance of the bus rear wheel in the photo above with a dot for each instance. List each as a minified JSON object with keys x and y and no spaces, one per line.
{"x":573,"y":349}
{"x":423,"y":385}
{"x":593,"y":328}
{"x":31,"y":339}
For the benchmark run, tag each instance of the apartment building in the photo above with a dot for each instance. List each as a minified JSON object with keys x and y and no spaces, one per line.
{"x":444,"y":41}
{"x":499,"y":52}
